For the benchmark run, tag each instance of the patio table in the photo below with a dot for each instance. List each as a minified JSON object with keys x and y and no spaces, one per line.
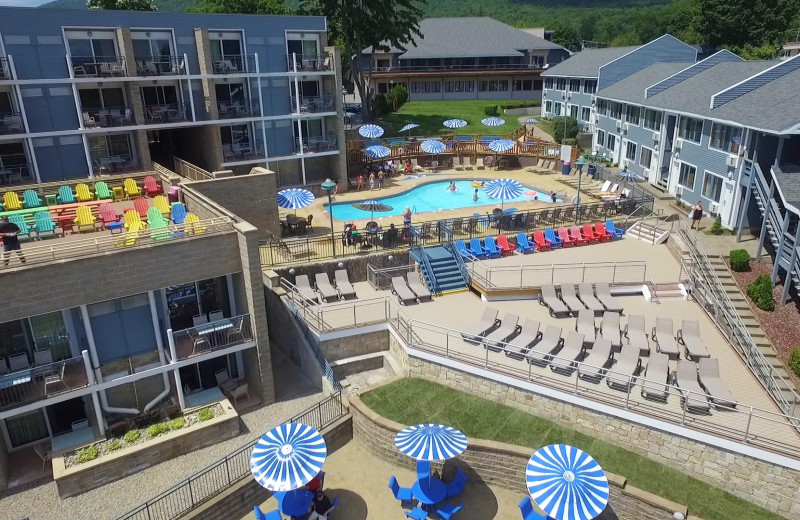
{"x":295,"y":503}
{"x":16,"y":378}
{"x":213,"y":327}
{"x":429,"y":490}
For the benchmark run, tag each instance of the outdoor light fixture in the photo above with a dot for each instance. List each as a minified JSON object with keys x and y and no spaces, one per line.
{"x":340,"y":265}
{"x":580,"y":163}
{"x":329,"y":186}
{"x":292,"y":271}
{"x":677,"y":516}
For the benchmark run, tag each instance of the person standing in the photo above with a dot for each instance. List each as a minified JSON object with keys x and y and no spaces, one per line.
{"x":697,"y":214}
{"x":380,"y":179}
{"x":475,"y":196}
{"x":9,"y":232}
{"x":407,"y":217}
{"x":321,"y":507}
{"x":371,"y":181}
{"x":360,"y":182}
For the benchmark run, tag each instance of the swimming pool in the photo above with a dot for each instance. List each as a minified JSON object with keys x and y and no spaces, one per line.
{"x":433,"y":196}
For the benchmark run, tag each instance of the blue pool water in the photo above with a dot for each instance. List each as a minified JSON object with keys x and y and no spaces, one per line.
{"x":433,"y":196}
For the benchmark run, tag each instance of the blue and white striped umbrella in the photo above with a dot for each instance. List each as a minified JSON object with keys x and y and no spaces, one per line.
{"x":629,"y":176}
{"x":566,"y":483}
{"x":431,"y":442}
{"x":455,"y":123}
{"x":377,"y":152}
{"x":504,"y":189}
{"x":370,"y":131}
{"x":288,"y":457}
{"x":295,"y":198}
{"x":493,"y":121}
{"x":409,"y":126}
{"x":431,"y":146}
{"x":531,"y":121}
{"x":501,"y":145}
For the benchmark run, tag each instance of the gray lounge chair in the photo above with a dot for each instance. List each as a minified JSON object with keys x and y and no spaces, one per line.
{"x":625,"y":368}
{"x":540,"y":352}
{"x":584,"y":325}
{"x":586,"y":294}
{"x":343,"y":284}
{"x":692,"y":394}
{"x":404,"y":294}
{"x":655,"y":384}
{"x":635,"y":332}
{"x":662,"y":334}
{"x":604,"y":295}
{"x":593,"y":367}
{"x":609,"y":329}
{"x":564,"y":360}
{"x":570,"y":298}
{"x":304,"y":288}
{"x":508,"y":329}
{"x":418,"y":288}
{"x":708,"y":370}
{"x":518,"y":347}
{"x":548,"y":297}
{"x":324,"y":287}
{"x":689,"y":337}
{"x":485,"y":325}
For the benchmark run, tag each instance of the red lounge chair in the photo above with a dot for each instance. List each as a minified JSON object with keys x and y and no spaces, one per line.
{"x":588,"y":233}
{"x":565,"y":238}
{"x":107,"y":214}
{"x":504,"y":245}
{"x":601,"y":232}
{"x":151,"y":187}
{"x":542,"y":244}
{"x":141,"y":207}
{"x":576,"y":236}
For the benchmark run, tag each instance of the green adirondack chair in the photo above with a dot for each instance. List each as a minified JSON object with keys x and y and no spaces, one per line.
{"x":31,"y":199}
{"x":158,"y":224}
{"x":65,"y":195}
{"x":102,"y":191}
{"x":44,"y":224}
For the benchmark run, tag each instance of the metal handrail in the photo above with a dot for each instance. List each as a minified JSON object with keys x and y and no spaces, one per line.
{"x":616,"y":267}
{"x":426,"y":264}
{"x":375,"y":276}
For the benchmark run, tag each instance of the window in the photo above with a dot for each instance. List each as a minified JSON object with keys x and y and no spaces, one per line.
{"x":574,"y":85}
{"x":523,"y":84}
{"x":615,"y":110}
{"x":383,"y":88}
{"x":493,"y":86}
{"x":646,"y":157}
{"x":548,"y":82}
{"x":725,"y":138}
{"x":558,"y":107}
{"x":632,"y":114}
{"x":589,"y":86}
{"x":383,"y":64}
{"x":459,"y":86}
{"x":712,"y":186}
{"x":686,"y":178}
{"x":602,"y":107}
{"x":586,"y":114}
{"x":601,"y":138}
{"x":561,"y":83}
{"x":652,"y":119}
{"x":548,"y":107}
{"x":612,"y":142}
{"x":573,"y":111}
{"x":425,"y":87}
{"x":691,"y":129}
{"x":226,"y":49}
{"x":91,"y":46}
{"x":537,"y":84}
{"x":630,"y":151}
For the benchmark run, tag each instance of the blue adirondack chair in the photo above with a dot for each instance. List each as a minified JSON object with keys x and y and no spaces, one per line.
{"x":523,"y":245}
{"x":178,"y":213}
{"x":550,"y":235}
{"x":65,"y":195}
{"x":490,"y":246}
{"x":31,"y":199}
{"x":44,"y":224}
{"x":528,"y":512}
{"x":476,"y":248}
{"x":24,"y":230}
{"x":614,"y":230}
{"x":461,"y":248}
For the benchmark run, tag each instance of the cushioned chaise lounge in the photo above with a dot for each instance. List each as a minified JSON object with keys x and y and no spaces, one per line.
{"x":621,"y":375}
{"x":604,"y":295}
{"x":404,"y":294}
{"x":485,"y":325}
{"x":570,"y":298}
{"x":304,"y":288}
{"x":609,"y":329}
{"x":692,"y":394}
{"x":593,"y":367}
{"x":689,"y":336}
{"x":508,"y":329}
{"x":584,"y":325}
{"x":324,"y":287}
{"x":343,"y":284}
{"x":563,"y":361}
{"x":708,"y":370}
{"x":418,"y":288}
{"x":635,"y":332}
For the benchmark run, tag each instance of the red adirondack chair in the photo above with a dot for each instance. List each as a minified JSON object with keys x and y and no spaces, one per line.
{"x":601,"y":232}
{"x":107,"y":214}
{"x":504,"y":245}
{"x":151,"y":187}
{"x":576,"y":236}
{"x":565,"y":238}
{"x":141,"y":207}
{"x":588,"y":233}
{"x":542,"y":244}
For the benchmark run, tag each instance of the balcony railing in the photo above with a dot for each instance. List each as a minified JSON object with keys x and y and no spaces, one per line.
{"x":234,"y":64}
{"x":169,"y":113}
{"x":313,"y":104}
{"x":242,"y":151}
{"x":316,"y":144}
{"x":107,"y":117}
{"x":212,"y":336}
{"x":160,"y":65}
{"x":237,"y":109}
{"x":98,"y":66}
{"x":33,"y":384}
{"x":115,"y":163}
{"x":11,"y":124}
{"x":459,"y":67}
{"x":12,"y":172}
{"x":309,"y":62}
{"x":5,"y":69}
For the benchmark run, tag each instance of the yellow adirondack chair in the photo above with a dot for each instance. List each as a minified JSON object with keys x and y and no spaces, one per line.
{"x":132,"y":218}
{"x":82,"y":193}
{"x":84,"y":218}
{"x":11,"y":201}
{"x":161,"y":203}
{"x":132,"y":190}
{"x":193,"y":226}
{"x":130,"y":237}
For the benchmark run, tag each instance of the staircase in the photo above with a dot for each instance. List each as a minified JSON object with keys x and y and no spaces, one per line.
{"x":440,"y":272}
{"x":646,"y":231}
{"x":665,"y":291}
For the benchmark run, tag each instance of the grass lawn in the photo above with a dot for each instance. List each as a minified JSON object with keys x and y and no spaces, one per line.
{"x":431,"y":114}
{"x":413,"y":401}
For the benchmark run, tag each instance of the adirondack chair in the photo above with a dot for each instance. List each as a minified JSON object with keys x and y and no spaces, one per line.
{"x":461,"y":248}
{"x":159,"y":226}
{"x":24,"y":230}
{"x":563,"y":234}
{"x":11,"y":201}
{"x":491,"y":248}
{"x":161,"y":202}
{"x":107,"y":214}
{"x":576,"y":235}
{"x":523,"y":245}
{"x":589,"y":234}
{"x":151,"y":187}
{"x":31,"y":199}
{"x":84,"y":218}
{"x":505,"y":246}
{"x":140,"y":205}
{"x":132,"y":190}
{"x":101,"y":191}
{"x":132,"y":217}
{"x":154,"y":217}
{"x":550,"y":235}
{"x":193,"y":225}
{"x":65,"y":195}
{"x":476,"y":248}
{"x":44,"y":224}
{"x":602,"y":233}
{"x":614,"y":230}
{"x":178,"y":213}
{"x":82,"y":193}
{"x":130,"y":238}
{"x":542,"y":244}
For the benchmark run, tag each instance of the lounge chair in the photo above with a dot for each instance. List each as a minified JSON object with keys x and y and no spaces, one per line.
{"x":132,"y":235}
{"x":476,"y":249}
{"x":554,"y":304}
{"x":637,"y":337}
{"x":404,"y":294}
{"x":656,"y":377}
{"x":539,"y":353}
{"x":193,"y":225}
{"x":614,"y":230}
{"x":609,"y":329}
{"x":65,"y":195}
{"x":563,"y":235}
{"x":84,"y":219}
{"x":457,"y":164}
{"x":550,"y":235}
{"x":485,"y":325}
{"x":461,"y":248}
{"x":132,"y":216}
{"x":44,"y":224}
{"x":625,"y":368}
{"x":305,"y":290}
{"x":324,"y":287}
{"x":418,"y":287}
{"x":82,"y":193}
{"x":708,"y":370}
{"x":692,"y":394}
{"x":492,"y":251}
{"x":343,"y":284}
{"x":518,"y":347}
{"x":589,"y":234}
{"x":155,"y":218}
{"x":602,"y":233}
{"x":479,"y":164}
{"x":593,"y":367}
{"x":508,"y":329}
{"x":603,"y":188}
{"x":576,"y":235}
{"x":535,"y":167}
{"x":132,"y":190}
{"x":584,"y":325}
{"x":101,"y":191}
{"x":569,"y":297}
{"x":178,"y":213}
{"x":523,"y":245}
{"x":151,"y":187}
{"x":505,"y":246}
{"x":662,"y":335}
{"x":564,"y":360}
{"x":542,"y":243}
{"x":415,"y":166}
{"x":31,"y":199}
{"x":608,"y":301}
{"x":107,"y":214}
{"x":689,"y":337}
{"x":586,"y":294}
{"x":467,"y":164}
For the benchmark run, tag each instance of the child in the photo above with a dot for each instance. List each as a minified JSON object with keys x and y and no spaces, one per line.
{"x":360,"y":182}
{"x":475,"y":196}
{"x":380,"y":179}
{"x":371,"y":181}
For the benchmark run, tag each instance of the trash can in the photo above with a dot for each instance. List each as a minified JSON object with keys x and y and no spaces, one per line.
{"x":591,"y":171}
{"x":565,"y":169}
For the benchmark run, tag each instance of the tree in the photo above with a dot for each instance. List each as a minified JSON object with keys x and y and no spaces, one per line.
{"x":376,"y":24}
{"x":558,"y":128}
{"x":122,"y":5}
{"x":241,"y":7}
{"x":625,"y":39}
{"x":737,"y":23}
{"x":566,"y":35}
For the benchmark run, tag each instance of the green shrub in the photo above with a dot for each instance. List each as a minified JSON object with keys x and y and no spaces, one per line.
{"x":760,"y":292}
{"x":491,"y":110}
{"x":88,"y":453}
{"x":396,"y":97}
{"x":558,"y":128}
{"x":132,"y":436}
{"x":114,"y":445}
{"x":205,"y":414}
{"x":521,"y":104}
{"x":794,"y":361}
{"x":177,"y":424}
{"x":154,"y":430}
{"x":740,"y":260}
{"x":716,"y":227}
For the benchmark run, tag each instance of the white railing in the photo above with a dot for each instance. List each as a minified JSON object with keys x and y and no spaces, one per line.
{"x":534,"y":276}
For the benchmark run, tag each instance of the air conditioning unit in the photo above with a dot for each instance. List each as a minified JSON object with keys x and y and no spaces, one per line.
{"x":713,"y":208}
{"x":730,"y":161}
{"x":619,"y":125}
{"x":596,"y":119}
{"x":625,"y":127}
{"x":655,"y":137}
{"x":679,"y":191}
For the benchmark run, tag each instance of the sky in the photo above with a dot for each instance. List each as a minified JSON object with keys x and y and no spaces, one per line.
{"x":22,"y":3}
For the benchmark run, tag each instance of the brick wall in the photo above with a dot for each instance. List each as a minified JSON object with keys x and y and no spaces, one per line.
{"x":369,"y":343}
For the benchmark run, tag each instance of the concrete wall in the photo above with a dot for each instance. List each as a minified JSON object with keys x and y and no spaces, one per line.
{"x":356,"y":266}
{"x":358,"y":345}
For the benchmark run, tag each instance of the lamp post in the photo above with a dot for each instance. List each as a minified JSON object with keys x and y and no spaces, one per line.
{"x":580,"y":163}
{"x":344,"y":98}
{"x":329,"y":186}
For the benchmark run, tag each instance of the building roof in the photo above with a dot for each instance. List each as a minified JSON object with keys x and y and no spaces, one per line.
{"x":470,"y":38}
{"x":631,"y":89}
{"x":587,"y":63}
{"x":789,"y":185}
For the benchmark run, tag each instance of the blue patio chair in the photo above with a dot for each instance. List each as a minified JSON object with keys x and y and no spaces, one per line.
{"x":461,"y":248}
{"x":333,"y":507}
{"x":526,"y":508}
{"x":490,"y":246}
{"x":509,"y":211}
{"x":550,"y":235}
{"x":272,"y":515}
{"x":482,"y":219}
{"x":456,"y":487}
{"x":447,"y":511}
{"x":423,"y":469}
{"x":614,"y":230}
{"x":417,"y":514}
{"x":523,"y":245}
{"x":476,"y":248}
{"x":401,"y":494}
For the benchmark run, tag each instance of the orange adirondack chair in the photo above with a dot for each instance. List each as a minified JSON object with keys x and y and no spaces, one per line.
{"x":504,"y":245}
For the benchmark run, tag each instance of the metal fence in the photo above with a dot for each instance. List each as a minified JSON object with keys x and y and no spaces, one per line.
{"x":199,"y":488}
{"x":534,"y":276}
{"x":381,"y":279}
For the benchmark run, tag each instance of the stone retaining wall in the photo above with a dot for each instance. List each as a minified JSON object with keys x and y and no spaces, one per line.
{"x":357,"y":345}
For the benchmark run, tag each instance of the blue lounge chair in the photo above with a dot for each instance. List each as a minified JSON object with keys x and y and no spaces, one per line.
{"x":178,"y":213}
{"x":24,"y":230}
{"x":550,"y":235}
{"x":523,"y":245}
{"x":401,"y":494}
{"x":423,"y":469}
{"x":65,"y":195}
{"x":476,"y":248}
{"x":527,"y":511}
{"x":490,"y":246}
{"x":447,"y":511}
{"x":483,"y":220}
{"x":461,"y":248}
{"x":31,"y":199}
{"x":614,"y":230}
{"x":456,"y":487}
{"x":44,"y":224}
{"x":417,"y":514}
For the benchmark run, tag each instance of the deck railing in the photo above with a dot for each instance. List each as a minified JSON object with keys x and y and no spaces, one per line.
{"x":160,"y":65}
{"x":35,"y":383}
{"x":309,"y":62}
{"x":211,"y":336}
{"x":11,"y":123}
{"x":492,"y":277}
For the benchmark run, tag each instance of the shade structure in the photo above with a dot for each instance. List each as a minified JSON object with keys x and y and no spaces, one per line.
{"x":501,"y":145}
{"x":295,"y":198}
{"x":566,"y":483}
{"x":432,"y":146}
{"x":455,"y":123}
{"x":493,"y":121}
{"x":377,"y":152}
{"x":288,"y":457}
{"x":431,"y":442}
{"x":629,"y":176}
{"x":531,"y":121}
{"x":504,"y":189}
{"x":373,"y":206}
{"x":409,"y":126}
{"x":370,"y":131}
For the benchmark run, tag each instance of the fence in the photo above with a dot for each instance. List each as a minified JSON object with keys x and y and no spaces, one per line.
{"x":534,"y":276}
{"x":199,"y":488}
{"x":382,"y":278}
{"x":214,"y":335}
{"x":190,"y":171}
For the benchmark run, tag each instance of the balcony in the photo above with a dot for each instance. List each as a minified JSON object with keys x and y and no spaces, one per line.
{"x":235,"y":64}
{"x":317,"y":144}
{"x":160,"y":66}
{"x":108,"y":164}
{"x":212,"y":336}
{"x":169,"y":113}
{"x":98,"y":66}
{"x":309,"y":62}
{"x":463,"y":67}
{"x":11,"y":124}
{"x":5,"y":69}
{"x":313,"y":104}
{"x":242,"y":151}
{"x":237,"y":109}
{"x":31,"y":384}
{"x":13,"y":172}
{"x":107,"y":117}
